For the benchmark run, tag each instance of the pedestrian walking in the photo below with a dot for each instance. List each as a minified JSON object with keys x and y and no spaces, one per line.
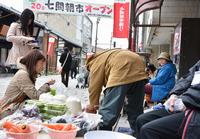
{"x":74,"y":67}
{"x":66,"y":60}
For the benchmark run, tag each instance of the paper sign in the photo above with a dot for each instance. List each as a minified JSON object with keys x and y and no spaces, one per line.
{"x":196,"y":79}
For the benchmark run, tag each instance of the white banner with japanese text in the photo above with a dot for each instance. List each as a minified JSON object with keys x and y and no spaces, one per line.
{"x":69,"y":7}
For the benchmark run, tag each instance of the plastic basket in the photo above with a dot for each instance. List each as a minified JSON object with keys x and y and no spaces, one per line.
{"x":55,"y":134}
{"x":33,"y":135}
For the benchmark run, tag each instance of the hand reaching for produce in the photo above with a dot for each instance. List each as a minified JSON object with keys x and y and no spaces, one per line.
{"x":91,"y":109}
{"x":51,"y":82}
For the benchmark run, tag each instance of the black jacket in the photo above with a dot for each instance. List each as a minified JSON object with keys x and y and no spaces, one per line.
{"x":192,"y":129}
{"x":67,"y":65}
{"x":74,"y":64}
{"x":190,"y":95}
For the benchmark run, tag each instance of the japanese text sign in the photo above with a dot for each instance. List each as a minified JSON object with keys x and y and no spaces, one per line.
{"x":69,"y":7}
{"x":121,"y":20}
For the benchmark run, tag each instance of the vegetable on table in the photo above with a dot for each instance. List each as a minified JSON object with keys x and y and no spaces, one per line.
{"x":53,"y":91}
{"x":11,"y":127}
{"x":61,"y":127}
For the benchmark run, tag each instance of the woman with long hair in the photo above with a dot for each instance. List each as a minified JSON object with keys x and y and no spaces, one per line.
{"x":22,"y":85}
{"x":20,"y":34}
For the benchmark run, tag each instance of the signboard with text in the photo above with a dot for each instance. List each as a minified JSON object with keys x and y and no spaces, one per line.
{"x":121,"y":20}
{"x":177,"y":40}
{"x":51,"y":43}
{"x":69,"y":7}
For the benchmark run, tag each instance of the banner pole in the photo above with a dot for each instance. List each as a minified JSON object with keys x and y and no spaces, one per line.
{"x":131,"y":41}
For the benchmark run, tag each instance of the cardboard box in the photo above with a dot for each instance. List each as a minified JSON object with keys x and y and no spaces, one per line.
{"x":4,"y":30}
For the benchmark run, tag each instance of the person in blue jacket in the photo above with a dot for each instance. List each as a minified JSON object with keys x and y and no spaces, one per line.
{"x":180,"y":116}
{"x":164,"y":80}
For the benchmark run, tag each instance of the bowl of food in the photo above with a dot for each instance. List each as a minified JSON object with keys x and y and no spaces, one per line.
{"x":62,"y":131}
{"x":21,"y":131}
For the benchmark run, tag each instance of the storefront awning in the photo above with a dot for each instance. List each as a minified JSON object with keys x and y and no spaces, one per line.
{"x":146,"y":5}
{"x":137,"y":8}
{"x":9,"y":15}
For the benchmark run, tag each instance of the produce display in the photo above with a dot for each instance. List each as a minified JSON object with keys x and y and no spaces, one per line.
{"x":62,"y":131}
{"x":55,"y":99}
{"x":38,"y":103}
{"x":53,"y":112}
{"x":85,"y":121}
{"x":31,"y":111}
{"x":61,"y":127}
{"x":47,"y":110}
{"x":11,"y":127}
{"x":20,"y":131}
{"x":53,"y":91}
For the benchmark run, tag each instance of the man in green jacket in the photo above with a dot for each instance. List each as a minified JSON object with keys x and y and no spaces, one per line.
{"x":122,"y":73}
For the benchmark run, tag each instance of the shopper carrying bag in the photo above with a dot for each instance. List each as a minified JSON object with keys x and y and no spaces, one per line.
{"x":65,"y":60}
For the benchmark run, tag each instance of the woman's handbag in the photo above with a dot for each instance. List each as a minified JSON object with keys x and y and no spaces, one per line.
{"x":61,"y":68}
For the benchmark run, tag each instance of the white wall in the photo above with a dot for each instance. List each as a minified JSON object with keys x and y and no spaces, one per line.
{"x":16,"y":4}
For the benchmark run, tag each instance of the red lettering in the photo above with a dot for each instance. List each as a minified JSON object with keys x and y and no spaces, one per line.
{"x":38,"y":6}
{"x":33,"y":5}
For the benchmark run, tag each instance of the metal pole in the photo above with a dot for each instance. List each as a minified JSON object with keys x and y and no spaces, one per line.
{"x":111,"y":40}
{"x":47,"y":57}
{"x":131,"y":25}
{"x":57,"y":53}
{"x":82,"y":39}
{"x":46,"y":71}
{"x":98,"y":19}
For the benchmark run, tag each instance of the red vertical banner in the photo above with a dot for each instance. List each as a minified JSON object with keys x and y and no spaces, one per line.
{"x":121,"y":20}
{"x":51,"y":43}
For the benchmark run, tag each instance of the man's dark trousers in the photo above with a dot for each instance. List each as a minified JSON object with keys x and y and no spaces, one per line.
{"x":113,"y":102}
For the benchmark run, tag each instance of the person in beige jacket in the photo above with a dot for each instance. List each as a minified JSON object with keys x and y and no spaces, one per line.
{"x":22,"y":85}
{"x":20,"y":34}
{"x":122,"y":73}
